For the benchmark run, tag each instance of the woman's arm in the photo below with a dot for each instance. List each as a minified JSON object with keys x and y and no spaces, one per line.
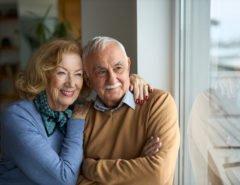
{"x":24,"y":144}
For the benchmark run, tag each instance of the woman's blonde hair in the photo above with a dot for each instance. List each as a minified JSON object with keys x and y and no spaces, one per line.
{"x":34,"y":80}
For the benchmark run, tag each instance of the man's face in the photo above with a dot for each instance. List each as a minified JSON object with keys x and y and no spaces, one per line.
{"x":108,"y":74}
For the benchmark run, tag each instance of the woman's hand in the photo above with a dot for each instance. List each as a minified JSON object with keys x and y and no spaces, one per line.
{"x":80,"y":110}
{"x":151,"y":147}
{"x":140,"y":88}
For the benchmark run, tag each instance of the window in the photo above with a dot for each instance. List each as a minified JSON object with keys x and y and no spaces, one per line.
{"x":209,"y":96}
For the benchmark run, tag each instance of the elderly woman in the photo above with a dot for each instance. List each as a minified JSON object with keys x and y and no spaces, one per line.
{"x":41,"y":140}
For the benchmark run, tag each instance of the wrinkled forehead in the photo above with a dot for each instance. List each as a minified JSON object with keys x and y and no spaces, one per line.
{"x":103,"y":49}
{"x":96,"y":47}
{"x":111,"y":53}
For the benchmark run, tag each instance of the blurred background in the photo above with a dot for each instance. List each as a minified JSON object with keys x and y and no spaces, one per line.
{"x":24,"y":26}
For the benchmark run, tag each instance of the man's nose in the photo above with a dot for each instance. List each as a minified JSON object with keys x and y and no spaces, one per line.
{"x":112,"y":78}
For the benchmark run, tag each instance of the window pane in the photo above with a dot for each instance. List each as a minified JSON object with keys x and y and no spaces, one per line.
{"x":214,"y":121}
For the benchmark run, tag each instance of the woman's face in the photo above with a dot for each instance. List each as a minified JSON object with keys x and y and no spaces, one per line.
{"x":65,"y":82}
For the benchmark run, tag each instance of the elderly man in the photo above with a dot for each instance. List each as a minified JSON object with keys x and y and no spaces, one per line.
{"x":116,"y":128}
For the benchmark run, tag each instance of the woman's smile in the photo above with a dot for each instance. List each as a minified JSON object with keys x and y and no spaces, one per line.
{"x":67,"y":93}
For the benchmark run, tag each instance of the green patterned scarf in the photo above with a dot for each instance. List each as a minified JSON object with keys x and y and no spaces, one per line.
{"x":51,"y":118}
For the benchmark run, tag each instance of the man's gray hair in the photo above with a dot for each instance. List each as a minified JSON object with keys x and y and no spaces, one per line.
{"x":99,"y":43}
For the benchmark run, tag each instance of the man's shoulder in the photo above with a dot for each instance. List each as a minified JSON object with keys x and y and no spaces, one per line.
{"x":159,"y":94}
{"x":161,"y":99}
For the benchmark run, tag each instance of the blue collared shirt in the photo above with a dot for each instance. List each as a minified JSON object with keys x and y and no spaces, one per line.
{"x":128,"y":99}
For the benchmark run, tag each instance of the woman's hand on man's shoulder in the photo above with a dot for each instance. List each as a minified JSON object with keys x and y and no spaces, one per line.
{"x":80,"y":110}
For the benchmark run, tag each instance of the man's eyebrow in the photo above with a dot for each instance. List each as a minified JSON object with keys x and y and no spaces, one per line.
{"x":103,"y":68}
{"x":118,"y":63}
{"x":98,"y":68}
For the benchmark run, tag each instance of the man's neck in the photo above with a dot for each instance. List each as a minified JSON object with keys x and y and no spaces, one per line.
{"x":112,"y":105}
{"x":128,"y":99}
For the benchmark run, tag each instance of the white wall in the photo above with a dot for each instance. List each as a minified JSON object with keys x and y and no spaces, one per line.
{"x":154,"y":47}
{"x":112,"y":18}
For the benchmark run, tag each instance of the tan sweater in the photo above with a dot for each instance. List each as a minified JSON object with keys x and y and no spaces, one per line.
{"x":114,"y":140}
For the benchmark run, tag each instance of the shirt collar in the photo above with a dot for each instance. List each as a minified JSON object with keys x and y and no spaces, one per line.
{"x":128,"y":99}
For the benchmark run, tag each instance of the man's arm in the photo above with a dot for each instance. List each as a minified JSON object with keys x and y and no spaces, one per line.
{"x":157,"y":169}
{"x":151,"y":147}
{"x":82,"y":180}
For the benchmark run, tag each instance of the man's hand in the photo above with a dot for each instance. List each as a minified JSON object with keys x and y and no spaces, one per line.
{"x":80,"y":110}
{"x":151,"y":147}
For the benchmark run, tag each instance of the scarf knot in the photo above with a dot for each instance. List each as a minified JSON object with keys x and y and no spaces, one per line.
{"x":51,"y":119}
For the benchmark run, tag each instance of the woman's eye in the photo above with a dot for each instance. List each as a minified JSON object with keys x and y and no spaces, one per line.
{"x":61,"y":73}
{"x":78,"y":74}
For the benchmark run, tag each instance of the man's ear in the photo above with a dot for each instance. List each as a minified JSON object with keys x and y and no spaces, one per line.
{"x":85,"y":77}
{"x":129,"y":64}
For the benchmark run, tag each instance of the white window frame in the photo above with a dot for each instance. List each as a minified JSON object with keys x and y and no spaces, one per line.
{"x":191,"y":34}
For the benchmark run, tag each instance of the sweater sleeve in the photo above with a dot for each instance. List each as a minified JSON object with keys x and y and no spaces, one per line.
{"x":82,"y":180}
{"x":33,"y":155}
{"x":157,"y":169}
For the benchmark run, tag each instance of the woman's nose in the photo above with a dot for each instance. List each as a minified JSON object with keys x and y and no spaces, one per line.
{"x":70,"y":81}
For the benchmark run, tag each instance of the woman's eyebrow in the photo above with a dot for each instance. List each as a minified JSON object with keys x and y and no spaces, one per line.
{"x":80,"y":69}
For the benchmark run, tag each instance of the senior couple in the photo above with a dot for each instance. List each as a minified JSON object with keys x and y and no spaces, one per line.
{"x":113,"y":140}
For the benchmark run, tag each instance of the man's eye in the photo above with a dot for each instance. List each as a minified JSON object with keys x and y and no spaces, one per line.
{"x":101,"y":72}
{"x":118,"y":68}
